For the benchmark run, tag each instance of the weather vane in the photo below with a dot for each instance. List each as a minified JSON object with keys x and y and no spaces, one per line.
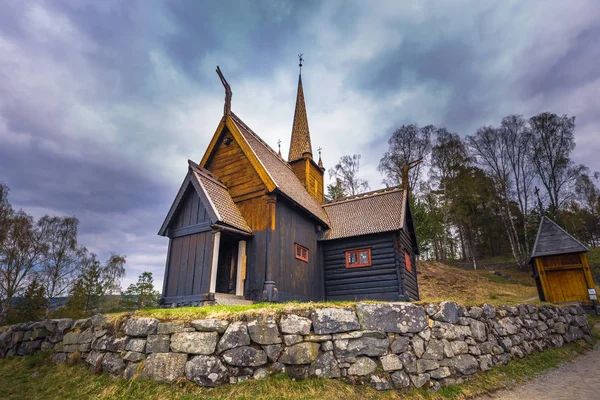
{"x":301,"y":60}
{"x":279,"y":145}
{"x":319,"y":150}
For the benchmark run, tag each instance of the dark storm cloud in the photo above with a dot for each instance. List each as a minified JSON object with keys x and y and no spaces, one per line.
{"x":73,"y":185}
{"x":101,"y":102}
{"x":256,"y":34}
{"x":575,"y":66}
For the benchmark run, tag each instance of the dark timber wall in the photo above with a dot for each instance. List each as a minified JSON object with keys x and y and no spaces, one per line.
{"x":190,"y":250}
{"x":296,"y":279}
{"x":407,"y":240}
{"x":255,"y":265}
{"x":381,"y":281}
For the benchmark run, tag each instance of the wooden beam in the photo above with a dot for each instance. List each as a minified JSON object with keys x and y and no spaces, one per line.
{"x":215,"y":262}
{"x":189,"y":230}
{"x":241,"y":268}
{"x":213,"y":143}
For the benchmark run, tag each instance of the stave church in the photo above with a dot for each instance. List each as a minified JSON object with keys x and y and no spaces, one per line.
{"x":249,"y":224}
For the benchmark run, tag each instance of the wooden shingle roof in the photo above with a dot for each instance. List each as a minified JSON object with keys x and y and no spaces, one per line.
{"x":300,"y":142}
{"x":551,"y":239}
{"x":226,"y":210}
{"x":280,"y":172}
{"x":214,"y":196}
{"x":374,"y":212}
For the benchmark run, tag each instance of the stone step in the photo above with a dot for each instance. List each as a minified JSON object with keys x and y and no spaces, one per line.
{"x":231,"y":300}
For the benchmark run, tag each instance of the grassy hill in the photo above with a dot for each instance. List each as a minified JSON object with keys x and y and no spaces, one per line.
{"x":439,"y":282}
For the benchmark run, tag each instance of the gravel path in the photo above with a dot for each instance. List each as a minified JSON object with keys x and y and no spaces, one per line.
{"x":579,"y":379}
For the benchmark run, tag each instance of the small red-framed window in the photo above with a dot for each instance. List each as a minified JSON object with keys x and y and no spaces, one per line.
{"x":301,"y":252}
{"x":358,"y":258}
{"x":407,"y":263}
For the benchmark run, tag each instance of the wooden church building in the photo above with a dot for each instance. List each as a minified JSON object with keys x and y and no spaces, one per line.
{"x":248,"y":222}
{"x":560,"y":265}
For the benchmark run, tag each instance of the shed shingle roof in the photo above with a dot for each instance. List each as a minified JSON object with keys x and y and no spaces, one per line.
{"x":280,"y":172}
{"x":374,"y":212}
{"x":552,"y":239}
{"x":226,"y":210}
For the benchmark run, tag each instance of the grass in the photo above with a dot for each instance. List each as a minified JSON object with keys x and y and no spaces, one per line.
{"x":234,"y":312}
{"x":36,"y":378}
{"x":593,"y":257}
{"x":438,"y":282}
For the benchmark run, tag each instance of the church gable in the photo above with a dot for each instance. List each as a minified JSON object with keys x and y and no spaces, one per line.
{"x":232,"y":166}
{"x":190,"y":212}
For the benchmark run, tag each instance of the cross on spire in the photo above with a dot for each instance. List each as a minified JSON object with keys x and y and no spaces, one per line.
{"x":320,"y":164}
{"x":300,"y":61}
{"x":279,"y":145}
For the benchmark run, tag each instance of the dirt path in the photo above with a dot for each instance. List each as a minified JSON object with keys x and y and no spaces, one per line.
{"x":572,"y":381}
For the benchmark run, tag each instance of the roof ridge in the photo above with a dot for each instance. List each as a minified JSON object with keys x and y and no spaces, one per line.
{"x":361,"y":196}
{"x":206,"y":173}
{"x":567,"y":233}
{"x":245,"y":126}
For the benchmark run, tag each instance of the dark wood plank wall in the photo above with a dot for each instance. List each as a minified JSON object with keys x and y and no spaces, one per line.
{"x":188,"y":271}
{"x":190,"y":211}
{"x":296,"y":279}
{"x":407,"y":240}
{"x":377,"y":282}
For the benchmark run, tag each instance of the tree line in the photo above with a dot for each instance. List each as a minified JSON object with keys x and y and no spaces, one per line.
{"x":481,"y":196}
{"x":42,"y":261}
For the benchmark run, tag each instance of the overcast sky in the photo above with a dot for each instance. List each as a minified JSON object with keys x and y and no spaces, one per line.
{"x":103,"y":102}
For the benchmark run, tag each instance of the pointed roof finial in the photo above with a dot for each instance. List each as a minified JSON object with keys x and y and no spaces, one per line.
{"x":279,"y":145}
{"x":300,"y":61}
{"x":320,"y":160}
{"x":228,"y":94}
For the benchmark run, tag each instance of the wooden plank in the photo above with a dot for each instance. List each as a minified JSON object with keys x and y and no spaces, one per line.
{"x":167,"y":268}
{"x":199,"y":261}
{"x":207,"y":262}
{"x":189,"y":280}
{"x":174,"y":267}
{"x":214,"y":262}
{"x":183,"y":262}
{"x":371,"y":279}
{"x":380,"y":289}
{"x":190,"y":230}
{"x":194,"y":210}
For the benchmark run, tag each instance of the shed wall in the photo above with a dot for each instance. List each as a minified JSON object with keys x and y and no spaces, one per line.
{"x":380,"y":281}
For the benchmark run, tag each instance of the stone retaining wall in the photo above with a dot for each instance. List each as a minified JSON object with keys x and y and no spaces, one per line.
{"x":388,"y":345}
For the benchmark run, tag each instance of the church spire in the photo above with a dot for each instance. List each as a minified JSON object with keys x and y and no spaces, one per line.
{"x":300,"y":143}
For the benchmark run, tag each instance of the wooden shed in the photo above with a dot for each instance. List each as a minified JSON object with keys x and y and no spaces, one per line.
{"x":560,"y":265}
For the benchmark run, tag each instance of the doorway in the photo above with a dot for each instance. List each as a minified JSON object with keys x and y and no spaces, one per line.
{"x":227,"y":265}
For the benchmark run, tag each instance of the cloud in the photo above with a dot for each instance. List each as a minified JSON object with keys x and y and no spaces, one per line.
{"x":102,"y":103}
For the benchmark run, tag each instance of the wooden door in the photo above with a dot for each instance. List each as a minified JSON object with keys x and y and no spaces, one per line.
{"x":566,"y":285}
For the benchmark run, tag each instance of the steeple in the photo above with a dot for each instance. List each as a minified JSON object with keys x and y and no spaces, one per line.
{"x":300,"y":143}
{"x":300,"y":158}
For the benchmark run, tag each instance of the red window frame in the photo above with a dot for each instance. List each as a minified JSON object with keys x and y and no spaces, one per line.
{"x":358,"y":264}
{"x":301,"y":252}
{"x":407,"y":263}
